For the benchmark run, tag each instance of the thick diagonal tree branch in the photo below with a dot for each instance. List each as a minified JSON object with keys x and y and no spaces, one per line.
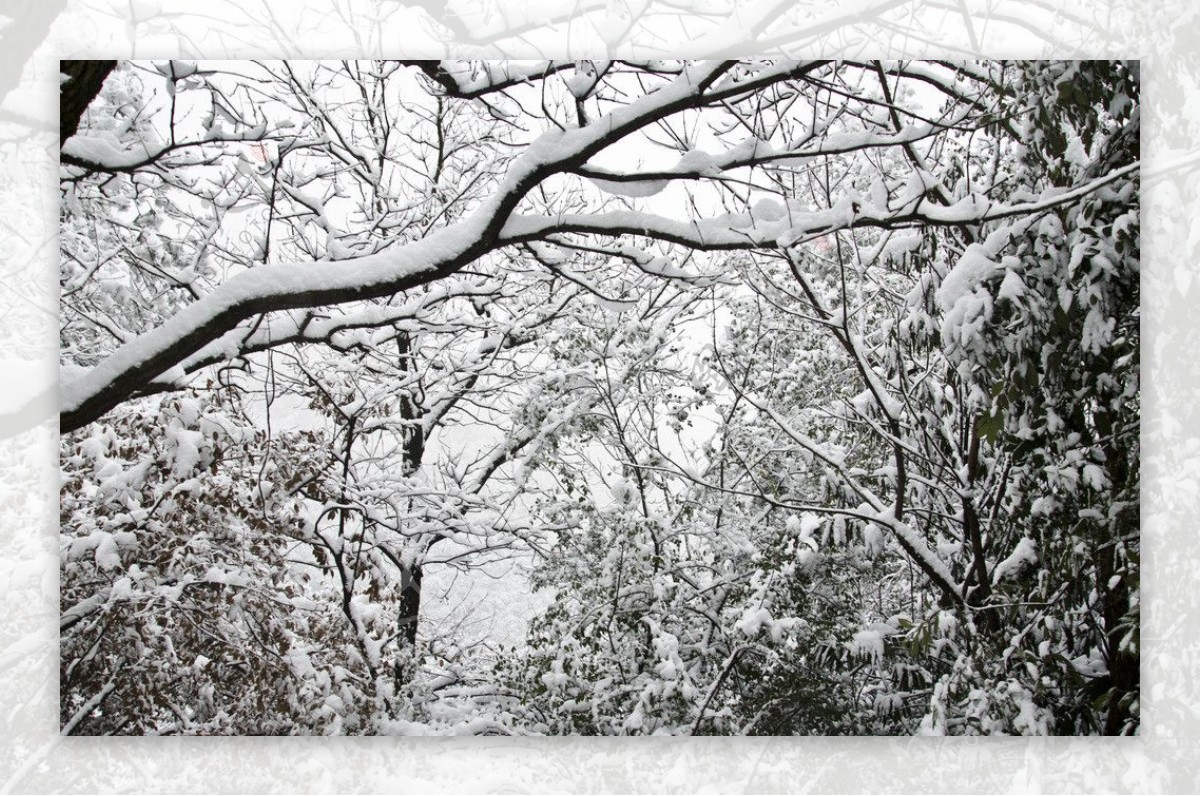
{"x":493,"y":224}
{"x":86,"y":80}
{"x":443,"y":252}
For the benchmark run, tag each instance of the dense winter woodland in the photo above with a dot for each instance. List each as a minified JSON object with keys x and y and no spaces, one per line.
{"x":786,"y":397}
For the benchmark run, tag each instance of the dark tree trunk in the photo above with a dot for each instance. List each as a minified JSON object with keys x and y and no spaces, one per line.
{"x":86,"y":80}
{"x":414,"y":452}
{"x":410,"y":605}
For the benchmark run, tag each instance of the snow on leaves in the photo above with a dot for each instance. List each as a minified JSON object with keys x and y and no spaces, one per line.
{"x":807,"y":389}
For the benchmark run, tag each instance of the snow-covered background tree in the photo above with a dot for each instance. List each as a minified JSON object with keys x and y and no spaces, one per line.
{"x":804,"y":393}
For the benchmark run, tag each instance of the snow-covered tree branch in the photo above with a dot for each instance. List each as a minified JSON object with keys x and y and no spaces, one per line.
{"x":809,"y":388}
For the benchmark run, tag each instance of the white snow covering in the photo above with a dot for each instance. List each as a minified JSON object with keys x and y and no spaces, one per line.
{"x":176,"y":69}
{"x":1043,"y":505}
{"x":753,"y":620}
{"x":694,"y":162}
{"x":965,"y":298}
{"x":1024,"y":555}
{"x":122,"y":589}
{"x":804,"y":526}
{"x":228,"y":578}
{"x":698,"y":161}
{"x":385,"y":270}
{"x":187,"y":450}
{"x":632,"y":189}
{"x":916,"y":544}
{"x":1012,"y":287}
{"x":768,"y":209}
{"x":662,"y":266}
{"x":1075,"y":154}
{"x":966,"y":277}
{"x":869,"y":642}
{"x":899,"y":245}
{"x":1095,"y":477}
{"x":919,"y":182}
{"x":108,"y":557}
{"x":105,"y":149}
{"x":580,"y":85}
{"x":873,"y":539}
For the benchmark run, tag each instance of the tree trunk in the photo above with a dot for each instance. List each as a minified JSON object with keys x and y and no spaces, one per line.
{"x":86,"y":80}
{"x":414,"y":452}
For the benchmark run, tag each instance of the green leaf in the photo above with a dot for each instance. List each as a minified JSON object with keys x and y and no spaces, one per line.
{"x":989,"y":425}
